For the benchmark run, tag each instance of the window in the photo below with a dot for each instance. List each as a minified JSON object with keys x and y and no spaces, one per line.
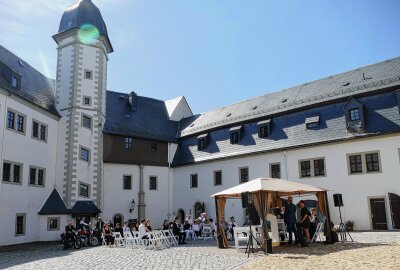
{"x":53,"y":224}
{"x":193,"y":181}
{"x":264,"y":128}
{"x":11,"y":120}
{"x":312,"y":122}
{"x":85,"y":154}
{"x":355,"y":164}
{"x":305,"y":168}
{"x":243,"y":175}
{"x":319,"y":167}
{"x":20,"y":224}
{"x":372,"y":161}
{"x":39,"y":130}
{"x":128,"y":143}
{"x":32,"y":176}
{"x":235,"y":134}
{"x":127,"y":182}
{"x":354,"y":114}
{"x":88,"y":74}
{"x":275,"y":170}
{"x":87,"y":101}
{"x":153,"y":147}
{"x":217,"y":178}
{"x":84,"y":190}
{"x":36,"y":176}
{"x":17,"y":173}
{"x":312,"y":167}
{"x":153,"y":183}
{"x":6,"y":172}
{"x":86,"y":121}
{"x":15,"y":121}
{"x":20,"y":123}
{"x":201,"y":144}
{"x":234,"y":137}
{"x":14,"y":82}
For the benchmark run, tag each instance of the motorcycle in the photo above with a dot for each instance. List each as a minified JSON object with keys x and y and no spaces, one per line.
{"x":89,"y":237}
{"x":71,"y":239}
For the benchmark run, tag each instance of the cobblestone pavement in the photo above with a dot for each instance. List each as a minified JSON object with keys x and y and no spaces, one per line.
{"x":197,"y":255}
{"x":371,"y":250}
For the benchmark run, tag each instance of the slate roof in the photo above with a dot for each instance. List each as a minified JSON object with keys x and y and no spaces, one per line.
{"x":35,"y":87}
{"x":54,"y":205}
{"x":289,"y":130}
{"x":149,"y":120}
{"x":359,"y":81}
{"x":82,"y":12}
{"x":85,"y":207}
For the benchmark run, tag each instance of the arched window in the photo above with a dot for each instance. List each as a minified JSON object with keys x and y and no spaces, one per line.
{"x":181,"y":215}
{"x":118,"y":218}
{"x":198,"y":209}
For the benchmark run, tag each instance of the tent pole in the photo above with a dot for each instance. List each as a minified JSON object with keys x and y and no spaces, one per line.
{"x":328,"y":216}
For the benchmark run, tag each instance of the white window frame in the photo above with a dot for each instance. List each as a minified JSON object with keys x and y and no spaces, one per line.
{"x":12,"y":163}
{"x":312,"y":173}
{"x":36,"y":176}
{"x":40,"y":124}
{"x":16,"y":114}
{"x":58,"y":224}
{"x":364,"y":162}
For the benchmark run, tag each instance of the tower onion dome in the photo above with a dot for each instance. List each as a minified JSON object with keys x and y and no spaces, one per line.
{"x":81,"y":13}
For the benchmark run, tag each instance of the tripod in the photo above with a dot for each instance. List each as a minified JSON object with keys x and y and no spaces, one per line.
{"x":249,"y":245}
{"x":343,"y":230}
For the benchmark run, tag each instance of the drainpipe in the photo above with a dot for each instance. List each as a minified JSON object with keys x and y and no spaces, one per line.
{"x":286,"y":165}
{"x":4,"y":128}
{"x":141,"y":205}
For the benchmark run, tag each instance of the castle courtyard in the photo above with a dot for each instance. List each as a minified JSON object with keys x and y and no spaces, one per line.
{"x":370,"y":250}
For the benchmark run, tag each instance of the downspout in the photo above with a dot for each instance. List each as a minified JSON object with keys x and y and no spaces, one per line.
{"x":286,"y":164}
{"x":169,"y":169}
{"x":4,"y":129}
{"x":142,"y":205}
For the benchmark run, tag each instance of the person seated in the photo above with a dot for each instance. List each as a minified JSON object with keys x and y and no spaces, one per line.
{"x":313,"y":222}
{"x":69,"y":229}
{"x":119,"y":229}
{"x":188,"y":229}
{"x":83,"y":225}
{"x":107,"y":234}
{"x":148,"y":226}
{"x":165,"y":225}
{"x":143,"y":230}
{"x":126,"y":227}
{"x":196,"y":228}
{"x":177,"y":232}
{"x":213,"y":226}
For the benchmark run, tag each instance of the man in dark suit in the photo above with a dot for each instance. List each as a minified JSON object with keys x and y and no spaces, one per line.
{"x":290,"y":219}
{"x":177,"y":232}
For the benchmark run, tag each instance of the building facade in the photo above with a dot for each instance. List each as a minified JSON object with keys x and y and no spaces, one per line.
{"x":70,"y":148}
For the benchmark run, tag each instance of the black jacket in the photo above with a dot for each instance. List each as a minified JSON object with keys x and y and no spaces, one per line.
{"x":175,"y":229}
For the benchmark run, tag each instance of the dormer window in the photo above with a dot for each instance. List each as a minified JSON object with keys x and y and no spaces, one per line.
{"x":354,"y":114}
{"x":312,"y":122}
{"x":264,"y":128}
{"x":202,"y":142}
{"x":15,"y":81}
{"x":235,"y":134}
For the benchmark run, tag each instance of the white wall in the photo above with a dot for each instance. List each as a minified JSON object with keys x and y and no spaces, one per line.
{"x":24,"y":198}
{"x":355,"y":188}
{"x":117,"y":200}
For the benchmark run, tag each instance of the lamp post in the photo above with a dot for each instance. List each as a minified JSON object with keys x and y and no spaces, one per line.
{"x":133,"y":203}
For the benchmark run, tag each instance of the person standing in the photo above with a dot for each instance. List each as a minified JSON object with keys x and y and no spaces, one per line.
{"x":290,"y":219}
{"x":305,"y":220}
{"x":232,"y":224}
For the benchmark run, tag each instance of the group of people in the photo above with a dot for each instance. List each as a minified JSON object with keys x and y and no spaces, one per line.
{"x":307,"y":222}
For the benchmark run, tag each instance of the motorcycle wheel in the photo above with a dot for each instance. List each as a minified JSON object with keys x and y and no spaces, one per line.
{"x":77,"y":244}
{"x":93,"y":241}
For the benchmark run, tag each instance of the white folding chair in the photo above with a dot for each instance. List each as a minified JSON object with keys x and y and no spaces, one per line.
{"x":129,"y":240}
{"x":170,"y":237}
{"x":137,"y":240}
{"x":319,"y":232}
{"x":207,"y":232}
{"x":118,"y":239}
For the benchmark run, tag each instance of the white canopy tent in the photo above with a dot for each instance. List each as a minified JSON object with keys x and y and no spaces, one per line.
{"x":263,"y":191}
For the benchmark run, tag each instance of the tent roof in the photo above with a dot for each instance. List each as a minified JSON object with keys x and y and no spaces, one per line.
{"x":279,"y":186}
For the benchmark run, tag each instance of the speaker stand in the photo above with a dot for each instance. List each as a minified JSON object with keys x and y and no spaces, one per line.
{"x":343,"y":230}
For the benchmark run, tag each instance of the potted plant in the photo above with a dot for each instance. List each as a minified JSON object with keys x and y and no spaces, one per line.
{"x":349,"y":225}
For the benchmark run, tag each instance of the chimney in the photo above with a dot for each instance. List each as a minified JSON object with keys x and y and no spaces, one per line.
{"x":132,"y":100}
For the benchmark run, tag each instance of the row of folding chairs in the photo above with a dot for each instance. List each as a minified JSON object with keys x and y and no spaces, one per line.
{"x":158,"y":239}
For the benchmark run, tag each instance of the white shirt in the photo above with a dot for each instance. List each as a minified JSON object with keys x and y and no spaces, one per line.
{"x":142,"y":231}
{"x":127,"y":229}
{"x":196,"y":227}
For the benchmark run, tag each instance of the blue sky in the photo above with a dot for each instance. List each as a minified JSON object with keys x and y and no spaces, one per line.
{"x":215,"y":52}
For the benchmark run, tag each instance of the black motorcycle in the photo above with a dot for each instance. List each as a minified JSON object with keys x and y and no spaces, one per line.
{"x":71,"y":239}
{"x":89,"y":237}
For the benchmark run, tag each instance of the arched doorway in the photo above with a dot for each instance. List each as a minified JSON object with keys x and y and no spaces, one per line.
{"x":198,"y":209}
{"x":181,"y":215}
{"x":118,"y":218}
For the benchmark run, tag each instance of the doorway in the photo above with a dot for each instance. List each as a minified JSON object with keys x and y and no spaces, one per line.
{"x":378,"y":213}
{"x":181,"y":215}
{"x":394,"y":200}
{"x":118,"y":218}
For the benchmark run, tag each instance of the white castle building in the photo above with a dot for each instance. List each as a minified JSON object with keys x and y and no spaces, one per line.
{"x":71,"y":148}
